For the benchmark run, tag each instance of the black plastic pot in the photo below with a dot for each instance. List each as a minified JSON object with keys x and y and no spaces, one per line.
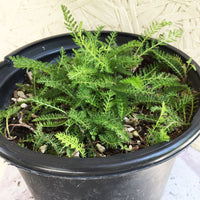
{"x":140,"y":175}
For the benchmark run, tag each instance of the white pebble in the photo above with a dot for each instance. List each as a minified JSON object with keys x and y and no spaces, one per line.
{"x":23,"y":105}
{"x":33,"y":115}
{"x":100,"y":148}
{"x":21,"y":94}
{"x":131,"y":129}
{"x":126,"y":119}
{"x":135,"y":133}
{"x":138,"y":142}
{"x":43,"y":148}
{"x":76,"y":154}
{"x":30,"y":95}
{"x":20,"y":99}
{"x":14,"y":99}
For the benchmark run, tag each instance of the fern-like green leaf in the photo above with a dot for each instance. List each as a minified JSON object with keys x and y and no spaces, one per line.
{"x":29,"y":64}
{"x":108,"y":101}
{"x":46,"y":103}
{"x":71,"y":142}
{"x":135,"y":81}
{"x":11,"y":111}
{"x":70,"y":22}
{"x":110,"y":139}
{"x":172,"y":62}
{"x":111,"y":123}
{"x":79,"y":118}
{"x":51,"y":116}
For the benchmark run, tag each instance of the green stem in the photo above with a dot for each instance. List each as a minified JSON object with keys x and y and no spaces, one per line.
{"x":7,"y":128}
{"x":192,"y":109}
{"x":34,"y":82}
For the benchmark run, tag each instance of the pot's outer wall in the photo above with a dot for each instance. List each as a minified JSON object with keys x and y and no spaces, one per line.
{"x":136,"y":175}
{"x":146,"y":184}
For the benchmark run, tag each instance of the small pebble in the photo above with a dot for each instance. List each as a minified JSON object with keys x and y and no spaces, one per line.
{"x":100,"y":148}
{"x":102,"y":155}
{"x":138,"y":142}
{"x":14,"y":99}
{"x":76,"y":154}
{"x":33,"y":115}
{"x":130,"y":147}
{"x":21,"y":94}
{"x":135,"y":133}
{"x":20,"y":99}
{"x":29,"y":95}
{"x":23,"y":105}
{"x":126,"y":119}
{"x":43,"y":148}
{"x":131,"y":129}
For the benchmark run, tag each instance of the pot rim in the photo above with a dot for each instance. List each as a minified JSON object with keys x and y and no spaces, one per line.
{"x":92,"y":167}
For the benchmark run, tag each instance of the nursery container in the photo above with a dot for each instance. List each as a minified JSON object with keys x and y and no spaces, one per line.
{"x":140,"y":175}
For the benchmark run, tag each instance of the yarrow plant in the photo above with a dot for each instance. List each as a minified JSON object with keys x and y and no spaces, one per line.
{"x":103,"y":100}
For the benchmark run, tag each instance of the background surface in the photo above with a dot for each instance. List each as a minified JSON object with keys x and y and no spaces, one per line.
{"x":25,"y":21}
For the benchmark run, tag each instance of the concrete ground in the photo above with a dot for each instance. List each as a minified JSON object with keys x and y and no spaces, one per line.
{"x":25,"y":21}
{"x":184,"y":180}
{"x":183,"y":184}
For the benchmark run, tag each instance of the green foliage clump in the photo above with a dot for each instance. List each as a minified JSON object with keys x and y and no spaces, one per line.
{"x":82,"y":100}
